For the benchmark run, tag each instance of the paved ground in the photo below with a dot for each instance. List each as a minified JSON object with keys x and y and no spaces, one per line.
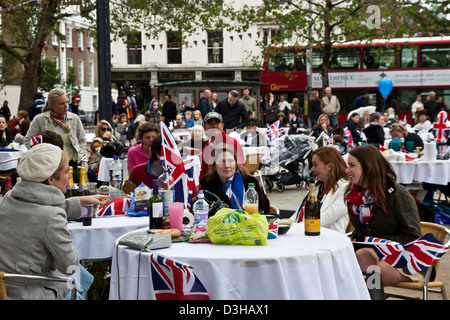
{"x":290,"y":199}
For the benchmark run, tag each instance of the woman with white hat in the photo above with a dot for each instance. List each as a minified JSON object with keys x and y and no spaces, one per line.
{"x":33,"y":224}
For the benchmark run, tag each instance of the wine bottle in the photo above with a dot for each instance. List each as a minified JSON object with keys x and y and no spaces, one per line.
{"x":82,"y":187}
{"x":155,"y":208}
{"x":70,"y":191}
{"x":312,"y":210}
{"x":8,"y":186}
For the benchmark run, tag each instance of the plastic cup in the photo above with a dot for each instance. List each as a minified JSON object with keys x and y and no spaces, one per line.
{"x":86,"y":214}
{"x":273,"y":226}
{"x":176,"y":210}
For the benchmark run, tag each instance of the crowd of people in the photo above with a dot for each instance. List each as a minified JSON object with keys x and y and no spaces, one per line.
{"x":360,"y":190}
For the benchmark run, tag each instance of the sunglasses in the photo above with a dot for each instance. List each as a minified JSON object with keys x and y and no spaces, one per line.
{"x":105,"y":129}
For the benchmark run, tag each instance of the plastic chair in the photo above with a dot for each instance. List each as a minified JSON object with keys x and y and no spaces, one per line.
{"x":439,"y":232}
{"x":252,"y":162}
{"x":5,"y":276}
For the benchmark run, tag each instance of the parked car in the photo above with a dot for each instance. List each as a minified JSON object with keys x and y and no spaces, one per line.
{"x":83,"y":117}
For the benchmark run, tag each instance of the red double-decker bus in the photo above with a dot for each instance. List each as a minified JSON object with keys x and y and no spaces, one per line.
{"x":416,"y":66}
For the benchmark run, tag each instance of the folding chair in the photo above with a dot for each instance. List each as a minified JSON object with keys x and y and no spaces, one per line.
{"x":252,"y":162}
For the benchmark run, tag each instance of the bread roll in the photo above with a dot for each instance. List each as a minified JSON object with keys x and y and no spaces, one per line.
{"x":174,"y":233}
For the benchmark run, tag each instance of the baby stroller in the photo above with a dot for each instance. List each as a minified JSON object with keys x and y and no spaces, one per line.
{"x":290,"y":166}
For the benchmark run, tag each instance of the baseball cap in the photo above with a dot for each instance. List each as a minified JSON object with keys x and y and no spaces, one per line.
{"x":213,"y":115}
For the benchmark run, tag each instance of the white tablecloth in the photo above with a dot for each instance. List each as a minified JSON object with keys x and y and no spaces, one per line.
{"x":103,"y":169}
{"x":97,"y":241}
{"x":10,"y":155}
{"x":293,"y":266}
{"x":434,"y":172}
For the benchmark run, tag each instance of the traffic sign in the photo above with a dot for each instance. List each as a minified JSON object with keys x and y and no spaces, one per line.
{"x":77,"y":98}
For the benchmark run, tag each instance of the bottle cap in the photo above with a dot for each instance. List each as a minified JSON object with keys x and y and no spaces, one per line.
{"x":116,"y":158}
{"x":251,"y":184}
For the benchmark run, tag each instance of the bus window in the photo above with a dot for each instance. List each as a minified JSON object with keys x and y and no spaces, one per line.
{"x":300,"y":61}
{"x":281,"y":61}
{"x":435,"y":56}
{"x":317,"y":60}
{"x":345,"y":59}
{"x":379,"y":57}
{"x":407,"y":58}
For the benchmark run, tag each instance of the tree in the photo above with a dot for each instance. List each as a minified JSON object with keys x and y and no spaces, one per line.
{"x":52,"y":75}
{"x":26,"y":26}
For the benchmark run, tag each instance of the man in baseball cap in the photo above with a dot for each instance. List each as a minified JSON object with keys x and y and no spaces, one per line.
{"x":213,"y":125}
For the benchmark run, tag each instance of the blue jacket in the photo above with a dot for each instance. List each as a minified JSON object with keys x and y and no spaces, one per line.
{"x":358,"y":103}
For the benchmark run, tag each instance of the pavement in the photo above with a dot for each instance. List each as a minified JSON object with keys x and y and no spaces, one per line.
{"x":289,"y":200}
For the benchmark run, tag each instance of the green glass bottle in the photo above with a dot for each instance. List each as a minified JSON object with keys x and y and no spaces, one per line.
{"x":312,"y":210}
{"x":155,"y":208}
{"x":82,"y":186}
{"x":70,"y":191}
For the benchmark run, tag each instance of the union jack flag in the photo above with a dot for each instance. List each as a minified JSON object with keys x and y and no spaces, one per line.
{"x":182,"y":179}
{"x":275,"y":130}
{"x":348,"y":138}
{"x":174,"y":280}
{"x":36,"y":140}
{"x":412,"y":257}
{"x":403,"y":122}
{"x":440,"y":128}
{"x":116,"y":207}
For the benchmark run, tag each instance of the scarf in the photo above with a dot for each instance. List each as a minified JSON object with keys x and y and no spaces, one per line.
{"x":360,"y":204}
{"x":128,"y":109}
{"x":235,"y":190}
{"x":59,"y":121}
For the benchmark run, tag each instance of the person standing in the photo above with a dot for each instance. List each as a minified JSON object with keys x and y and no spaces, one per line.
{"x":205,"y":105}
{"x":73,"y":106}
{"x":331,"y":107}
{"x":360,"y":101}
{"x":248,"y":101}
{"x":169,"y":110}
{"x":272,"y":109}
{"x":56,"y":117}
{"x":36,"y":107}
{"x":233,"y":111}
{"x":314,"y":108}
{"x":432,"y":106}
{"x":4,"y":110}
{"x":417,"y":104}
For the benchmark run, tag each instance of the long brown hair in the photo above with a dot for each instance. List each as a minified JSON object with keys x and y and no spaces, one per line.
{"x":217,"y":151}
{"x":331,"y":155}
{"x":377,"y":173}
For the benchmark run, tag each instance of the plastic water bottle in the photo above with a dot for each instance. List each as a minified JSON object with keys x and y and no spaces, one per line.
{"x":200,"y":209}
{"x":249,"y":140}
{"x":115,"y":178}
{"x":167,"y":195}
{"x":251,"y":199}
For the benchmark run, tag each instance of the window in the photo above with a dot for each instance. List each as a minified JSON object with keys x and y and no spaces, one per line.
{"x":174,"y":47}
{"x":69,"y":63}
{"x":435,"y":56}
{"x":345,"y":59}
{"x":134,"y":48}
{"x":215,"y":46}
{"x":379,"y":57}
{"x":69,"y":37}
{"x":56,"y":61}
{"x":54,"y":39}
{"x":281,"y":61}
{"x":91,"y":74}
{"x":407,"y":57}
{"x":91,"y":44}
{"x":80,"y":72}
{"x":300,"y":59}
{"x":317,"y":60}
{"x":80,"y":40}
{"x":95,"y":102}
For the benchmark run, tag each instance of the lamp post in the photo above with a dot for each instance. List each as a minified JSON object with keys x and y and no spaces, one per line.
{"x":104,"y":60}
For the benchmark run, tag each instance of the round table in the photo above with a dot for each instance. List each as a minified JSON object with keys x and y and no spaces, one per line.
{"x":8,"y":158}
{"x":293,"y":266}
{"x":97,"y":240}
{"x":433,"y":172}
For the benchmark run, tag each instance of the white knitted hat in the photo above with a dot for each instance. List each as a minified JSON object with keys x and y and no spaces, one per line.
{"x":39,"y":163}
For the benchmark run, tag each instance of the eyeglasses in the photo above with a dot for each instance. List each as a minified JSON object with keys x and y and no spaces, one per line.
{"x":105,"y":129}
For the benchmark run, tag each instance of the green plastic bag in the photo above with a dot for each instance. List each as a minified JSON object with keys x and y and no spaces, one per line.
{"x":230,"y":226}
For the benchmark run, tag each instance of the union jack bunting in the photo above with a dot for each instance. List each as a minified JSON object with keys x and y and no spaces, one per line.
{"x":172,"y":161}
{"x":275,"y":130}
{"x":412,"y":257}
{"x":440,"y":128}
{"x":174,"y":280}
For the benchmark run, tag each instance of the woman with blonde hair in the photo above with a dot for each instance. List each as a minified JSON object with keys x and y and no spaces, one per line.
{"x":314,"y":107}
{"x":56,"y":117}
{"x":329,"y":167}
{"x":323,"y":125}
{"x":412,"y":140}
{"x":197,"y":117}
{"x":103,"y":135}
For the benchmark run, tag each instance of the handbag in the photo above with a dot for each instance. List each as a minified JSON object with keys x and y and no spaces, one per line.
{"x":146,"y":240}
{"x":214,"y":202}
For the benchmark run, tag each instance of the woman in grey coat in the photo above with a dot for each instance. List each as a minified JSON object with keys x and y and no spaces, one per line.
{"x":33,"y":224}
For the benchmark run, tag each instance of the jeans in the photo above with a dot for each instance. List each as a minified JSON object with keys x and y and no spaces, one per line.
{"x":333,"y":121}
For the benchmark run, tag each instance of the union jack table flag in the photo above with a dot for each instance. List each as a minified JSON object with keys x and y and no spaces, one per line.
{"x":440,"y":128}
{"x":174,"y":280}
{"x":412,"y":257}
{"x":275,"y":130}
{"x":180,"y":171}
{"x":116,"y":207}
{"x":348,"y":138}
